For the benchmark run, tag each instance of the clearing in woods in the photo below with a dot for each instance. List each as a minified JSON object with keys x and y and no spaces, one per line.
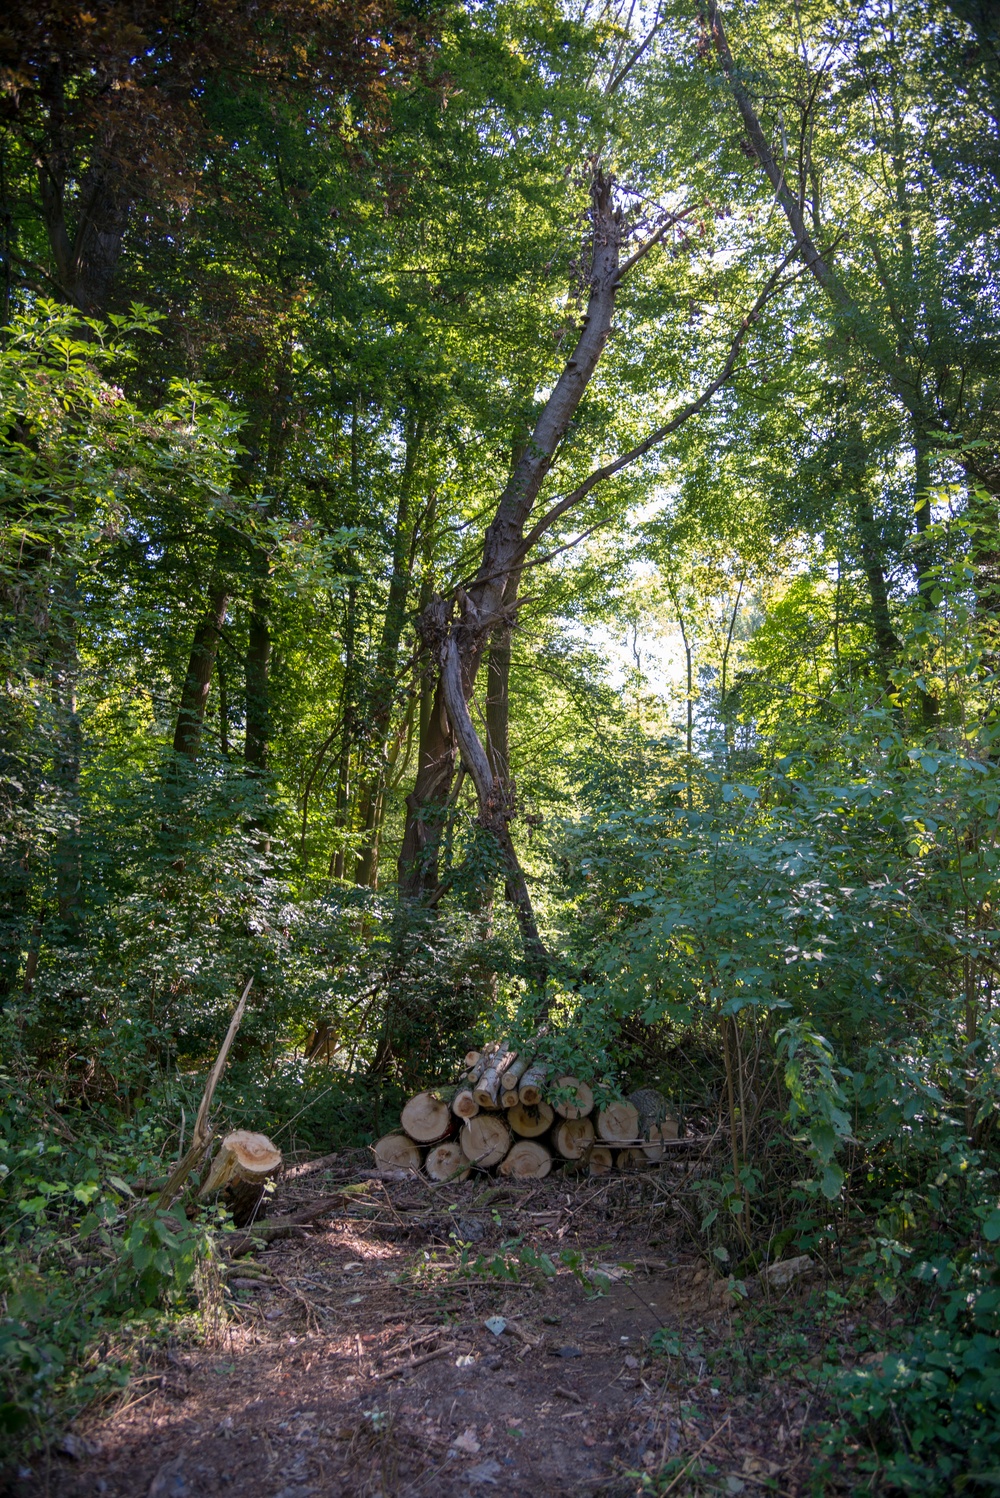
{"x":356,"y":1359}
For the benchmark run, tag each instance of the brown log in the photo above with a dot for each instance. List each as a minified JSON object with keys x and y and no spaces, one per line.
{"x":426,"y":1118}
{"x":572,"y":1137}
{"x":447,"y":1162}
{"x":579,"y":1104}
{"x":485,"y":1140}
{"x":618,"y":1123}
{"x":530,"y":1120}
{"x":487,"y":1090}
{"x":527,"y":1161}
{"x":600,"y":1161}
{"x":242,"y":1167}
{"x":396,"y":1152}
{"x":281,"y":1227}
{"x":533,"y":1084}
{"x":463,"y":1104}
{"x":630,"y":1159}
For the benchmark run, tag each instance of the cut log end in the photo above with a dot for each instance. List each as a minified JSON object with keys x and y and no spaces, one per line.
{"x":485,"y":1140}
{"x":426,"y":1118}
{"x":396,"y":1152}
{"x":527,"y":1161}
{"x":618,"y":1123}
{"x":447,"y":1162}
{"x":580,"y":1101}
{"x":600,"y":1161}
{"x":463,"y":1104}
{"x":573,"y":1137}
{"x":530,"y":1120}
{"x":532,"y":1085}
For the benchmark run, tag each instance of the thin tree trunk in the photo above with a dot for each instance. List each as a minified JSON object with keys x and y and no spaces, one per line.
{"x":258,"y":707}
{"x":198,"y":679}
{"x":383,"y":696}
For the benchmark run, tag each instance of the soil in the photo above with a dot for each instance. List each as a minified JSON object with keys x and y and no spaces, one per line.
{"x":355,"y":1360}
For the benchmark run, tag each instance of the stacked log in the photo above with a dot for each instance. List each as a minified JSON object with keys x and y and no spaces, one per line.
{"x":510,"y":1113}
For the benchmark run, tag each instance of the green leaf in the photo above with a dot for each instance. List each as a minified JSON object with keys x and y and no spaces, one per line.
{"x":832,"y":1182}
{"x":991,"y":1227}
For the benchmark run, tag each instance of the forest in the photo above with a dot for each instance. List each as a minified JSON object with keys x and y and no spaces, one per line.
{"x":499,"y":540}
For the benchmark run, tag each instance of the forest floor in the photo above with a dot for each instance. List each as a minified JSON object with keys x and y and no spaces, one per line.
{"x":355,"y":1361}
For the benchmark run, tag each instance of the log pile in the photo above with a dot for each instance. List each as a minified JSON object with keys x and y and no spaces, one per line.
{"x":509,"y":1113}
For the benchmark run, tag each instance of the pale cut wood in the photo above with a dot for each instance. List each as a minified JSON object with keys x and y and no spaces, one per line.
{"x":244,"y":1164}
{"x":487,"y":1090}
{"x":527,"y":1161}
{"x":479,"y":1066}
{"x":618,"y":1123}
{"x":530,"y":1120}
{"x":447,"y":1162}
{"x":509,"y":1099}
{"x":533,"y":1084}
{"x":396,"y":1152}
{"x":572,"y":1137}
{"x":463,"y":1104}
{"x":600,"y":1161}
{"x":426,"y":1118}
{"x":580,"y":1103}
{"x":251,"y":1157}
{"x":511,"y":1078}
{"x":471,"y":1057}
{"x":485,"y":1140}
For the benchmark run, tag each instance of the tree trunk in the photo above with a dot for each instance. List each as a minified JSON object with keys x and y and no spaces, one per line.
{"x":386,"y":661}
{"x":198,"y":680}
{"x":258,"y":702}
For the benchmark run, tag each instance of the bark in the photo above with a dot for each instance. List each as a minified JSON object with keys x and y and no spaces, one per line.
{"x":258,"y":706}
{"x":198,"y":679}
{"x":383,"y":696}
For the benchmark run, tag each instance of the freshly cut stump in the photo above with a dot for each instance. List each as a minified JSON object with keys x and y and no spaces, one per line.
{"x":485,"y":1140}
{"x":463,"y":1104}
{"x":527,"y":1161}
{"x":618,"y":1123}
{"x":600,"y":1160}
{"x":426,"y":1118}
{"x":447,"y":1162}
{"x":580,"y":1104}
{"x":242,"y":1168}
{"x":530,"y":1120}
{"x":573,"y":1137}
{"x":396,"y":1152}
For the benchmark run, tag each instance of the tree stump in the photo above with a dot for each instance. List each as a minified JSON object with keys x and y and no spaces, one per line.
{"x":242,"y":1167}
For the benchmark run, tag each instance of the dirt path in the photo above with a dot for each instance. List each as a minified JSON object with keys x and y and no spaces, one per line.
{"x":357,"y":1362}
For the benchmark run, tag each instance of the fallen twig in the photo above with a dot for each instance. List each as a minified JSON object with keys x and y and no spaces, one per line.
{"x":428,"y":1357}
{"x":281,"y":1227}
